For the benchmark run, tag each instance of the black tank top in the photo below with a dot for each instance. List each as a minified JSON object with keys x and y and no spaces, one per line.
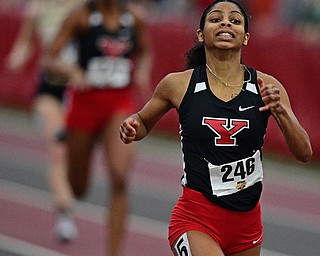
{"x":222,"y":142}
{"x":106,"y":55}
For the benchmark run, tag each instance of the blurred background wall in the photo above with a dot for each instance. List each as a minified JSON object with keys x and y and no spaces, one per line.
{"x":285,"y":42}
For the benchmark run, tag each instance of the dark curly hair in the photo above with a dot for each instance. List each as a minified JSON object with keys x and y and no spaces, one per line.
{"x":196,"y":56}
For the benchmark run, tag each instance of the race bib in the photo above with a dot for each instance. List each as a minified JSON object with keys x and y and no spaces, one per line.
{"x":182,"y":246}
{"x":109,"y":72}
{"x":233,"y":177}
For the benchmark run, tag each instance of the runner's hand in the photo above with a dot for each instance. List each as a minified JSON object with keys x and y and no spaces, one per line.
{"x":128,"y":130}
{"x":77,"y":80}
{"x":271,"y":97}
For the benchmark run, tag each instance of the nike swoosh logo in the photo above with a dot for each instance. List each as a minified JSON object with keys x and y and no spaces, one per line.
{"x":257,"y":241}
{"x":241,"y":109}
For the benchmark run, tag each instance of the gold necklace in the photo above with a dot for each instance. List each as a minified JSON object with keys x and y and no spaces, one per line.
{"x":224,"y":82}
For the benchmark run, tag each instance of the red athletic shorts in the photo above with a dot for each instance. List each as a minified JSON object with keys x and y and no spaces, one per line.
{"x":89,"y":111}
{"x":235,"y":231}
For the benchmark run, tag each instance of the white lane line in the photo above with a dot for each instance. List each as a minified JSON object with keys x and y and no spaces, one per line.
{"x":299,"y":220}
{"x":33,"y":197}
{"x":20,"y":247}
{"x":40,"y":199}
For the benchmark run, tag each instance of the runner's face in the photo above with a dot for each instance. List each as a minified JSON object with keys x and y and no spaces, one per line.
{"x":224,"y":27}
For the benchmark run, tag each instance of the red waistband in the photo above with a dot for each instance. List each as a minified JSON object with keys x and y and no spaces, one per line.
{"x":194,"y":195}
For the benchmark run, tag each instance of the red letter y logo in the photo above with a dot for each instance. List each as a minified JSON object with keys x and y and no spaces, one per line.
{"x":225,"y":129}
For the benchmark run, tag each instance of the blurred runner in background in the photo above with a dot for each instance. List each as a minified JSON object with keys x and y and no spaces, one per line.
{"x":42,"y":20}
{"x":113,"y":55}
